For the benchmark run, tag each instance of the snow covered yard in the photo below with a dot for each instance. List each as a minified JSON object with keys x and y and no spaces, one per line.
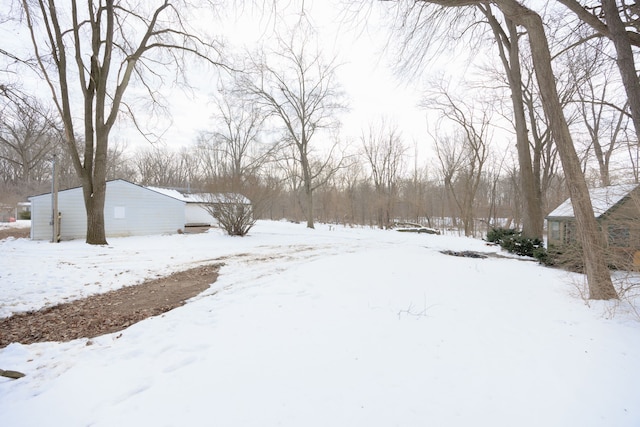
{"x":325,"y":327}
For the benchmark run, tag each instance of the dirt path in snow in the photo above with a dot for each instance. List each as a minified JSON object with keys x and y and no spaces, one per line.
{"x":109,"y":312}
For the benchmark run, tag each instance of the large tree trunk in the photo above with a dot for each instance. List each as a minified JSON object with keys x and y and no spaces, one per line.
{"x":532,"y":216}
{"x":94,"y":196}
{"x":95,"y":189}
{"x":591,"y":239}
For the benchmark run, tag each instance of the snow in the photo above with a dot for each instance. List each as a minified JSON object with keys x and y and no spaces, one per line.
{"x":327,"y":327}
{"x":20,"y":223}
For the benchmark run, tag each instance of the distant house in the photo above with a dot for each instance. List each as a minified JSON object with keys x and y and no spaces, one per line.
{"x":129,"y":210}
{"x":617,"y":211}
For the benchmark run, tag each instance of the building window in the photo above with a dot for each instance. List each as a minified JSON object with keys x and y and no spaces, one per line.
{"x":618,"y":235}
{"x":119,"y":212}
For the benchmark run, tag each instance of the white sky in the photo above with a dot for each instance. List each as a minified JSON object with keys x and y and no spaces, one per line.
{"x":373,"y":92}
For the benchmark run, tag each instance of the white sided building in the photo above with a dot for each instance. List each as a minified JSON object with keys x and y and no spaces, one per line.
{"x":130,"y":210}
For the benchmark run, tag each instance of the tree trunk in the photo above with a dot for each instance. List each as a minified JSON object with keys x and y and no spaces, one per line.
{"x":533,"y":217}
{"x":603,"y":164}
{"x":591,"y":239}
{"x":309,"y":206}
{"x":95,"y":190}
{"x":308,"y":185}
{"x":94,"y":197}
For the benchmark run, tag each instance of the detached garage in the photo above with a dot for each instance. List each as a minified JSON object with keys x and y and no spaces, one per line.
{"x":129,"y":210}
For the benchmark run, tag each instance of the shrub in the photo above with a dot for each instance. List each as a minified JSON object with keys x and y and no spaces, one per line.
{"x":568,"y":257}
{"x":512,"y":241}
{"x":542,"y":256}
{"x":497,"y":235}
{"x":235,"y":215}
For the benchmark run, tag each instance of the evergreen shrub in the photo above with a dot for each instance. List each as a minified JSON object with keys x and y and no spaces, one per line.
{"x":512,"y":241}
{"x":497,"y":235}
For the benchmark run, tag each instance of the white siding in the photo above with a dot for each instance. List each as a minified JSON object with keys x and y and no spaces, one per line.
{"x":129,"y":210}
{"x":196,"y":214}
{"x":41,"y":217}
{"x":70,"y":205}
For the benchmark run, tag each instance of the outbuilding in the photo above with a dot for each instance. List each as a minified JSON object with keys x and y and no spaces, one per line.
{"x":130,"y":210}
{"x":617,"y":211}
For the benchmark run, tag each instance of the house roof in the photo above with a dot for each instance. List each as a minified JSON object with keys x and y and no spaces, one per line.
{"x":175,"y":194}
{"x":602,"y":199}
{"x":188,"y":198}
{"x":109,"y":183}
{"x":202,"y":197}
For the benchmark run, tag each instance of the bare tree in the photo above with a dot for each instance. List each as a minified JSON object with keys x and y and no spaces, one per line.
{"x":450,"y":160}
{"x":462,"y":160}
{"x":606,"y":19}
{"x":348,"y":180}
{"x":299,"y":88}
{"x":120,"y":165}
{"x":238,"y":140}
{"x":238,"y":148}
{"x":210,"y":159}
{"x":159,"y":166}
{"x":28,"y":137}
{"x":472,"y":153}
{"x":414,"y":192}
{"x":103,"y":47}
{"x":384,"y":151}
{"x":596,"y":104}
{"x":288,"y":163}
{"x":489,"y":188}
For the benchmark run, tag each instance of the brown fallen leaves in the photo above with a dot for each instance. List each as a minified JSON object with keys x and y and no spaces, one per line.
{"x":109,"y":312}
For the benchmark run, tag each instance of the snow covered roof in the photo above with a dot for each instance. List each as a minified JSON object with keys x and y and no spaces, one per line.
{"x":188,"y":198}
{"x":602,"y":199}
{"x":202,"y":197}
